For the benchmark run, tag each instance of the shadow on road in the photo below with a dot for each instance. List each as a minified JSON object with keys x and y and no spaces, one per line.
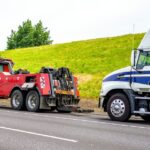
{"x":41,"y":110}
{"x":133,"y":120}
{"x":6,"y":108}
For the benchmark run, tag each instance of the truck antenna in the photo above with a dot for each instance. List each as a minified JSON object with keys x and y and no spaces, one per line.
{"x":133,"y":37}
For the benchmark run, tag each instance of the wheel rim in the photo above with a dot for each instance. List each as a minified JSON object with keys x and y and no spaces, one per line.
{"x":32,"y":101}
{"x":117,"y":107}
{"x":16,"y":100}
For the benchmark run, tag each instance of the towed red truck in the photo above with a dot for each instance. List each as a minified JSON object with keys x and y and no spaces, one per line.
{"x":49,"y":89}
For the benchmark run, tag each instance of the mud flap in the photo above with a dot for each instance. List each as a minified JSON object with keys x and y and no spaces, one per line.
{"x":43,"y":104}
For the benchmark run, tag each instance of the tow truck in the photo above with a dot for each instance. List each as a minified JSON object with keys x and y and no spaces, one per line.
{"x":49,"y":89}
{"x":126,"y":92}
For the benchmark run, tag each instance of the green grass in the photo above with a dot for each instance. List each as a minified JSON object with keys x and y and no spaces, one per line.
{"x":90,"y":60}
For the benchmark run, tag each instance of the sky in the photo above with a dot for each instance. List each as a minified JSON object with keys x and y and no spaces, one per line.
{"x":72,"y":20}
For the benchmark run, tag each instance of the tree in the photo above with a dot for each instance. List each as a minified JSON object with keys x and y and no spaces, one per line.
{"x":29,"y":35}
{"x":11,"y":40}
{"x":41,"y":35}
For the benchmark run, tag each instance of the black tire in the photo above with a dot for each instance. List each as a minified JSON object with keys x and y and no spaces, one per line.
{"x":17,"y":102}
{"x":146,"y":118}
{"x":33,"y":101}
{"x":118,"y":107}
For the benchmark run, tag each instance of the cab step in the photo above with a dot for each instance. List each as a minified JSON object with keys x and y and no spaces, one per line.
{"x":141,"y":112}
{"x":143,"y":98}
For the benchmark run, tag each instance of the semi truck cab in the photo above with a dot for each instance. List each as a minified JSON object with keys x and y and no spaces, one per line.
{"x":126,"y":92}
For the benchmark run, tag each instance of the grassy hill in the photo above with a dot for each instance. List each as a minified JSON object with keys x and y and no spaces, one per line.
{"x":90,"y":60}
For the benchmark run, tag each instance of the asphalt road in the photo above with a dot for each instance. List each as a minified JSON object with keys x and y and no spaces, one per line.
{"x":54,"y":131}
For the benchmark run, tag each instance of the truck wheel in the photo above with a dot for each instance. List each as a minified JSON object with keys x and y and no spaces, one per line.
{"x":17,"y":102}
{"x":146,"y":118}
{"x":33,"y":101}
{"x":118,"y":107}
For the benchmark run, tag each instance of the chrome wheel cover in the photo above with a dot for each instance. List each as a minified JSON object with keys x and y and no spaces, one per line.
{"x":117,"y":107}
{"x":32,"y":101}
{"x":16,"y":100}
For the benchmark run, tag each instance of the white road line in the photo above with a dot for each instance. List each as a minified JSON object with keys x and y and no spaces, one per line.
{"x":83,"y":120}
{"x":39,"y":134}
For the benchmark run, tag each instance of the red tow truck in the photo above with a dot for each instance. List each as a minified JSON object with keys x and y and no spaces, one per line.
{"x":49,"y":89}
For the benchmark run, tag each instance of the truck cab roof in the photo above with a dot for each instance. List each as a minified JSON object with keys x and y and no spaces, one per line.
{"x":145,"y":43}
{"x":6,"y":65}
{"x":3,"y":60}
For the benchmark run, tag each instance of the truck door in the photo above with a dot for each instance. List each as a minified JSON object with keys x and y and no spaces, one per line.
{"x":140,"y":75}
{"x":2,"y":80}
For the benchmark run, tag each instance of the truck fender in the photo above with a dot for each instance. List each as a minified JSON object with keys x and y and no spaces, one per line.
{"x":131,"y":98}
{"x":15,"y":88}
{"x":43,"y":104}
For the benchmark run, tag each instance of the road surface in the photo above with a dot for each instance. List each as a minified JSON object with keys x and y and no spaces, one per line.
{"x":54,"y":131}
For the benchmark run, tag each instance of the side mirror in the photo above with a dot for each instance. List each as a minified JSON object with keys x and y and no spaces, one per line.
{"x":133,"y":58}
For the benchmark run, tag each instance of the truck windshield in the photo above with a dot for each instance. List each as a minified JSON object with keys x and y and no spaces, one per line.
{"x":144,"y":59}
{"x":1,"y":68}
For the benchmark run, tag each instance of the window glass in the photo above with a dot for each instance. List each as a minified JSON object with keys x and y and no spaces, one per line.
{"x":1,"y":68}
{"x":144,"y":60}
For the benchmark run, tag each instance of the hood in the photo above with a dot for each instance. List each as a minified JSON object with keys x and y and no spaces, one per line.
{"x":113,"y":75}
